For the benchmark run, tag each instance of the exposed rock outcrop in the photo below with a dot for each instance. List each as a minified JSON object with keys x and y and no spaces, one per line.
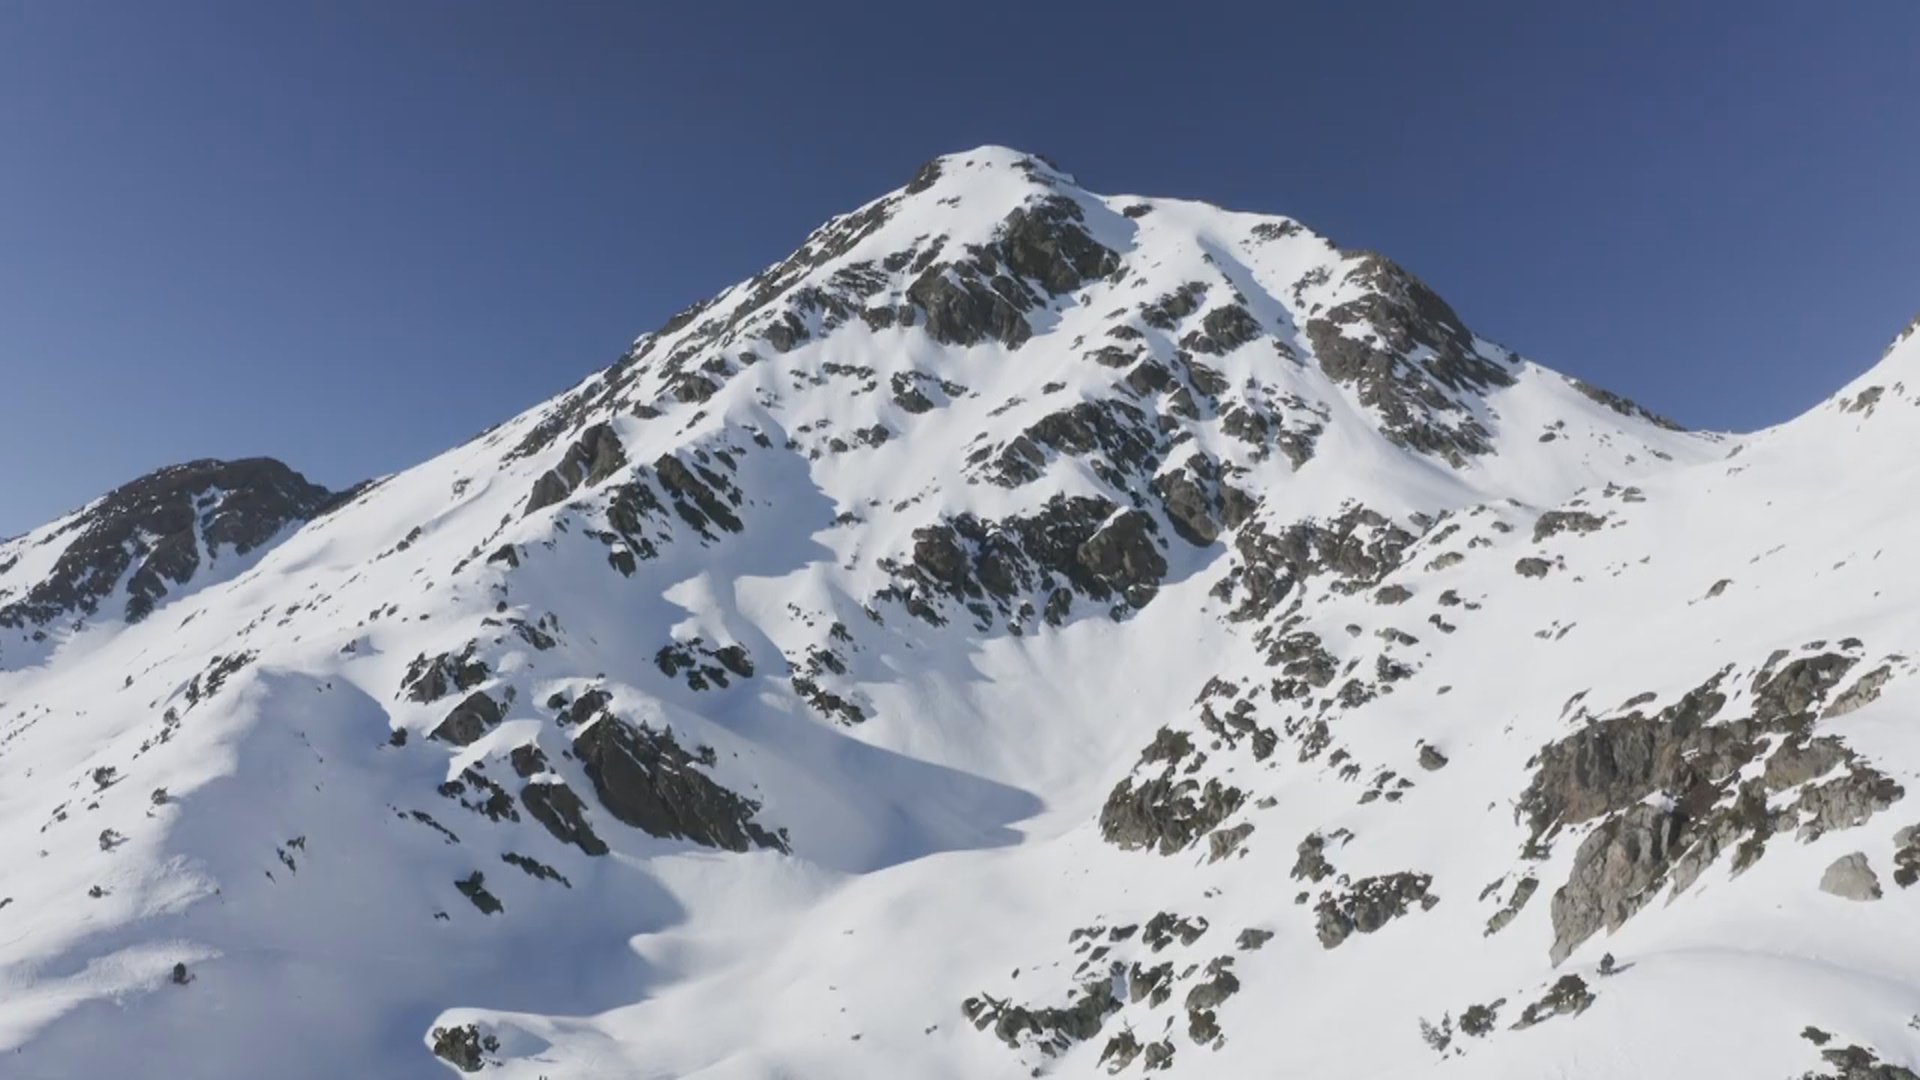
{"x":153,"y":533}
{"x":644,"y":778}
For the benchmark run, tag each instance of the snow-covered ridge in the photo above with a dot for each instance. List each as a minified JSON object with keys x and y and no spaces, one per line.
{"x":1026,"y":630}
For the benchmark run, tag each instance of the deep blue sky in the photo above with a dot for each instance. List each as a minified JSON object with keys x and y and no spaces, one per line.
{"x":350,"y":234}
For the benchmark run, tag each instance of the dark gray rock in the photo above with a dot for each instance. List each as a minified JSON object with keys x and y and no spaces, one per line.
{"x":560,"y":811}
{"x":1859,"y":1063}
{"x":429,"y":680}
{"x":1119,"y":1052}
{"x":1615,"y":871}
{"x":1369,"y":904}
{"x":1568,"y":996}
{"x":1419,"y":401}
{"x":1864,"y":691}
{"x":1359,"y":548}
{"x":469,"y":720}
{"x":1252,"y":938}
{"x":1522,"y":892}
{"x":593,"y":457}
{"x":644,"y":778}
{"x":1005,"y":563}
{"x":1045,"y":242}
{"x":699,"y":495}
{"x":1054,"y":1029}
{"x":461,"y":1047}
{"x":1554,"y":522}
{"x":962,"y":310}
{"x":474,"y":888}
{"x":151,"y":533}
{"x":1621,"y":405}
{"x":1165,"y":813}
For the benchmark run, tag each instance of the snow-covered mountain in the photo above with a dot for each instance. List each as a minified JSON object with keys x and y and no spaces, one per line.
{"x":1025,"y":632}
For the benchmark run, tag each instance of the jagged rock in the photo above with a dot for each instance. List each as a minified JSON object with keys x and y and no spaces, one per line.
{"x":1615,"y":763}
{"x":474,"y":888}
{"x":961,"y":310}
{"x":1479,"y":1020}
{"x":1203,"y":1027}
{"x":1432,"y":759}
{"x":527,"y":760}
{"x":1199,"y":503}
{"x":1224,"y":842}
{"x":1906,"y":856}
{"x":1116,"y":430}
{"x":1567,"y":997}
{"x":1859,"y":1063}
{"x":1864,"y":691}
{"x":1416,"y":399}
{"x":1125,"y":553}
{"x":1851,"y":877}
{"x":594,"y":456}
{"x":1153,"y":985}
{"x":925,"y":177}
{"x":1081,"y":540}
{"x":1845,"y":802}
{"x":462,"y":1046}
{"x":1164,"y":812}
{"x":1522,"y":892}
{"x":1621,"y":405}
{"x":1558,"y":521}
{"x":469,"y":720}
{"x":699,"y":495}
{"x":560,"y":811}
{"x":1163,"y":928}
{"x":1166,"y":312}
{"x":1532,"y":567}
{"x":645,"y":779}
{"x":1252,"y":938}
{"x":1312,"y":864}
{"x":430,"y":680}
{"x":691,"y":658}
{"x":1227,"y":328}
{"x":152,"y":532}
{"x":1359,"y":547}
{"x":1615,"y":871}
{"x":1057,"y":1028}
{"x":1217,"y":988}
{"x":1120,"y":1052}
{"x":1369,"y":904}
{"x":1787,"y":697}
{"x":1046,"y":242}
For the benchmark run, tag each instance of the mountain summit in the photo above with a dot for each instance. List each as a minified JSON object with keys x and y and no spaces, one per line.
{"x":1023,"y":632}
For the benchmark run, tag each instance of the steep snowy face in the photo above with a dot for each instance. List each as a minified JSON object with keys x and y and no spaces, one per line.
{"x":1025,"y":629}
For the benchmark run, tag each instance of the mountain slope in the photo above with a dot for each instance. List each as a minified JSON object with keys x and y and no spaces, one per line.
{"x":1023,"y":630}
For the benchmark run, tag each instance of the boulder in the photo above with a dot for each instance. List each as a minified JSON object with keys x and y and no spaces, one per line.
{"x":1851,"y":877}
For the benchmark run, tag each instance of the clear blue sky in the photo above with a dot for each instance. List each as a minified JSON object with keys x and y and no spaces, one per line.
{"x":350,"y":234}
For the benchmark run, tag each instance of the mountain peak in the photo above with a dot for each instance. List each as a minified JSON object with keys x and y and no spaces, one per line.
{"x":926,"y":656}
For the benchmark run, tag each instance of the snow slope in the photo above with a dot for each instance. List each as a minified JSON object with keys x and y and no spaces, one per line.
{"x":1024,"y":631}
